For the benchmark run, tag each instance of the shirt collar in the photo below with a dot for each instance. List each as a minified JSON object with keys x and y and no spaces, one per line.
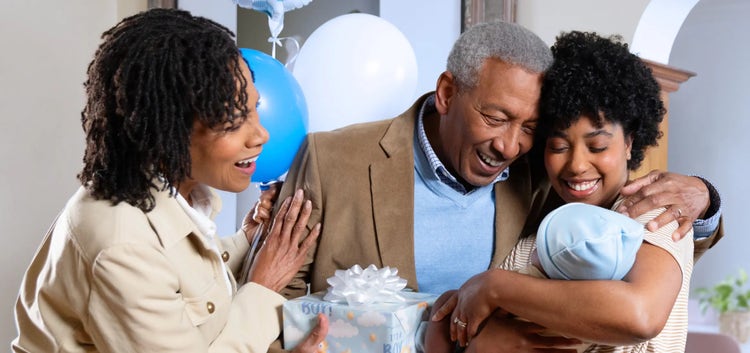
{"x":201,"y":210}
{"x":441,"y":172}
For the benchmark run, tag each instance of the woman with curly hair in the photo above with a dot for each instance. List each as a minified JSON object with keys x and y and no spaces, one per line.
{"x":600,"y":110}
{"x":133,"y":262}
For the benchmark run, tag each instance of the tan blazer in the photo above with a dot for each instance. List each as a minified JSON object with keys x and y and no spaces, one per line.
{"x":361,"y":182}
{"x":114,"y":279}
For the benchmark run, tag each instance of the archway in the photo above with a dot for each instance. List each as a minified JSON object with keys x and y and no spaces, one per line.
{"x":658,"y":28}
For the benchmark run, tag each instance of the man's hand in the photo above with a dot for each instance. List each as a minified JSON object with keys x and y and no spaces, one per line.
{"x":686,"y":199}
{"x":502,"y":333}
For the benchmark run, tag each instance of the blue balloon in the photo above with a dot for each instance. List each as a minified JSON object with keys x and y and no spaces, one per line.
{"x":283,"y":112}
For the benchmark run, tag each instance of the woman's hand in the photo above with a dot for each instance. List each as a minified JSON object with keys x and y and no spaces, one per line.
{"x":281,"y":254}
{"x":436,"y":337}
{"x":502,"y":332}
{"x":311,"y":343}
{"x":468,"y":308}
{"x":260,"y":214}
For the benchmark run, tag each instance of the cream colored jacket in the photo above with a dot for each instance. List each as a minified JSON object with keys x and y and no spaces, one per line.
{"x":115,"y":279}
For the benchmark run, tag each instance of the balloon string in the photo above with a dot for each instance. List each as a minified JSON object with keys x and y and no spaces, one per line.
{"x":292,"y":52}
{"x":274,"y":42}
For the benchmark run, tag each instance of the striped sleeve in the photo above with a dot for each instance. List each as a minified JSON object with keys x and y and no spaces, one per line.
{"x":672,"y":338}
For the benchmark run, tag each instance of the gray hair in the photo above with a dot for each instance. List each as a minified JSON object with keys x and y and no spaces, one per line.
{"x":506,"y":41}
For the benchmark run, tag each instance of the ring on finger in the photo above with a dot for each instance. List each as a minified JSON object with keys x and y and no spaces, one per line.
{"x":459,"y":323}
{"x":679,"y":213}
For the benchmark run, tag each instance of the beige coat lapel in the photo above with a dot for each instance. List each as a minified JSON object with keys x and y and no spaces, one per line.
{"x":392,"y":190}
{"x":512,"y":205}
{"x":171,"y":224}
{"x":169,"y":220}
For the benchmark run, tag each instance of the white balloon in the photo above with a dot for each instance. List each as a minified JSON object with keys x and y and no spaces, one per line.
{"x":355,"y":68}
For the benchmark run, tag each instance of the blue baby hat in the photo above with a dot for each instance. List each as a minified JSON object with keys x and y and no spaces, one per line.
{"x":580,"y":241}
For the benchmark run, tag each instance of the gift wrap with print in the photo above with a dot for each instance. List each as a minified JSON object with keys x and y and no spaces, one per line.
{"x":368,"y":312}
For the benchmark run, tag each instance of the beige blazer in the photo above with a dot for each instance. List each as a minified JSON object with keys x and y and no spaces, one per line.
{"x":114,"y":279}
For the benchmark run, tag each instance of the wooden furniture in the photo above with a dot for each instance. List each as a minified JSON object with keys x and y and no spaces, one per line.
{"x":669,"y":79}
{"x":478,"y":11}
{"x":166,"y":4}
{"x":709,"y":342}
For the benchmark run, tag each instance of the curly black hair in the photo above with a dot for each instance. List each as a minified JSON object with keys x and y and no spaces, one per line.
{"x":598,"y":77}
{"x":154,"y":74}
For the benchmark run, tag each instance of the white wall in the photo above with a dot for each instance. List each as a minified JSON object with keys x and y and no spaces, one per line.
{"x":658,"y":27}
{"x":548,"y":18}
{"x":223,"y":12}
{"x":46,"y":48}
{"x":431,"y":40}
{"x":710,"y":120}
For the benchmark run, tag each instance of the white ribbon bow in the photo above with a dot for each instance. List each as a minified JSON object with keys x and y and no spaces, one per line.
{"x":356,"y":286}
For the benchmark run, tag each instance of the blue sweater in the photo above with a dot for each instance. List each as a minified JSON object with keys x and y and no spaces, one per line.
{"x":453,"y":232}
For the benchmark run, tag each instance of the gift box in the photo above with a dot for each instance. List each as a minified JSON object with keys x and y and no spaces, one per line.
{"x":359,"y":323}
